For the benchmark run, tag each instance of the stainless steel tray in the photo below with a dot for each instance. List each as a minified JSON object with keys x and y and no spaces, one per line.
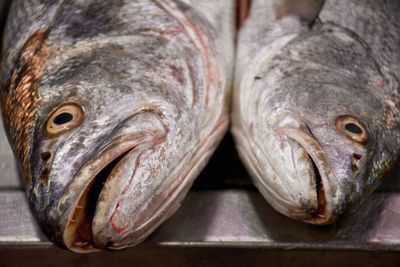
{"x":223,"y":221}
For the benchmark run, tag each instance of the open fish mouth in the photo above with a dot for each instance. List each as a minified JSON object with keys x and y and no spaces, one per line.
{"x":78,"y":234}
{"x":85,"y":212}
{"x":326,"y":209}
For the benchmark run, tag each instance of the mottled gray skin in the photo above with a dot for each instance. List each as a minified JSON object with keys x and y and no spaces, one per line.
{"x":153,"y":78}
{"x":294,"y":77}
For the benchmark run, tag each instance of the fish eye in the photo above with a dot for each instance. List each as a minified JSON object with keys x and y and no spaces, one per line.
{"x":63,"y":119}
{"x":352,"y":128}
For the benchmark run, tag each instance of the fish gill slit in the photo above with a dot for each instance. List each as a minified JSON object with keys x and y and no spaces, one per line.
{"x":319,"y":187}
{"x":85,"y":209}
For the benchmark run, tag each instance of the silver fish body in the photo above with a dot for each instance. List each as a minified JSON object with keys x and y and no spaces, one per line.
{"x":112,"y":109}
{"x":316,"y":103}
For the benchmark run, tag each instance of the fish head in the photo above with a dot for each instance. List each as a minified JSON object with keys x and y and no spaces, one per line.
{"x":97,"y":146}
{"x":113,"y":109}
{"x":324,"y":125}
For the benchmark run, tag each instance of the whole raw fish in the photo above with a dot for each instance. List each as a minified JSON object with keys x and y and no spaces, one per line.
{"x":112,"y":109}
{"x":316,"y":102}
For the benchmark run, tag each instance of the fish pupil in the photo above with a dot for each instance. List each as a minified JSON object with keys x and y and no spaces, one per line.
{"x":353,"y":128}
{"x":46,"y":156}
{"x":63,"y":118}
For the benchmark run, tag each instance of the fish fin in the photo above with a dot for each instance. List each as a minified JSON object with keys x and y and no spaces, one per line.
{"x":306,"y":10}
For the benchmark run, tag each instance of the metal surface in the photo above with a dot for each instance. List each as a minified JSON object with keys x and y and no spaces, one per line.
{"x":237,"y":218}
{"x":215,"y":227}
{"x":9,"y":177}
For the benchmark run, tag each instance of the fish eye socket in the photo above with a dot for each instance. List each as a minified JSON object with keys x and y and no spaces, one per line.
{"x":63,"y":119}
{"x":352,"y":128}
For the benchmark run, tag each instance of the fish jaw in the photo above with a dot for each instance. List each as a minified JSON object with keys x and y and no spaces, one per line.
{"x":292,"y":171}
{"x":71,"y":206}
{"x":327,"y":189}
{"x":127,"y":225}
{"x":77,"y":206}
{"x":121,"y":196}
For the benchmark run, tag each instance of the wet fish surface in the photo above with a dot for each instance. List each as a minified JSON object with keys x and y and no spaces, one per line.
{"x":112,"y":109}
{"x":316,"y":102}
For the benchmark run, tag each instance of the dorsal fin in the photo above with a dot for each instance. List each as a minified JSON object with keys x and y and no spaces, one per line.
{"x":306,"y":10}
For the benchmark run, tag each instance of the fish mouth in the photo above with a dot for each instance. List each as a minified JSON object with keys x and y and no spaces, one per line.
{"x":326,"y":209}
{"x":78,"y":233}
{"x":87,"y":208}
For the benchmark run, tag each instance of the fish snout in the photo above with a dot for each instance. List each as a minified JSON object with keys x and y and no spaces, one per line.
{"x":315,"y":191}
{"x":93,"y":198}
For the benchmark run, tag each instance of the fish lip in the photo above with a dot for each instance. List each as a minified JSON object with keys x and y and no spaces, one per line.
{"x":177,"y":192}
{"x":82,"y":184}
{"x":67,"y":203}
{"x":328,"y":213}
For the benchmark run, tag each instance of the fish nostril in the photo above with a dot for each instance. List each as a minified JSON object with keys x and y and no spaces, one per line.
{"x":45,"y":156}
{"x":45,"y":176}
{"x":354,"y":162}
